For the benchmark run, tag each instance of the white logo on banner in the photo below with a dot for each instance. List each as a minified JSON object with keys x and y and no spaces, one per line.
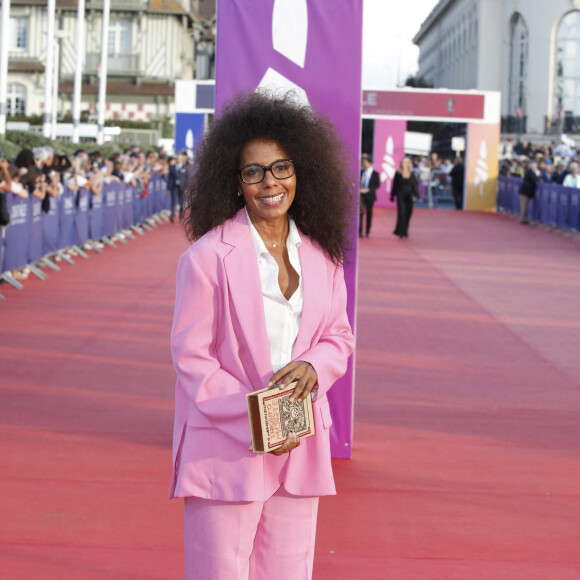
{"x":290,"y":38}
{"x":189,"y":140}
{"x":388,"y":165}
{"x":290,"y":29}
{"x":481,"y":169}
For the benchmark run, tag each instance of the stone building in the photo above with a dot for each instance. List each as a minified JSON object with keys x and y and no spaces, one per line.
{"x":527,"y":49}
{"x":152,"y":43}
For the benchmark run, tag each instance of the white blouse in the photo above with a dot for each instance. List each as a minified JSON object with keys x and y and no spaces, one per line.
{"x":282,"y":316}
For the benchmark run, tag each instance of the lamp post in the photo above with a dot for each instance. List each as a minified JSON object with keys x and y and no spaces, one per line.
{"x":76,"y":108}
{"x":103,"y":73}
{"x":58,"y":36}
{"x":48,"y":69}
{"x":4,"y":22}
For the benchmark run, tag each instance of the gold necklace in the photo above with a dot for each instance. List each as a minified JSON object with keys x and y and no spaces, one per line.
{"x":275,"y":245}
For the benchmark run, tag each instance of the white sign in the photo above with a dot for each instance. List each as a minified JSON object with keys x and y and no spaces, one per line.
{"x":458,"y":144}
{"x":418,"y":143}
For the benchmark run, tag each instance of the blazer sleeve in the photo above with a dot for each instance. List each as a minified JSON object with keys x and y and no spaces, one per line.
{"x":374,"y":182}
{"x":395,"y":186}
{"x":215,"y":394}
{"x":329,"y":356}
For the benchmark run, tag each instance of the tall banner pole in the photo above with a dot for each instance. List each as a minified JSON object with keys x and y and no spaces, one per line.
{"x":103,"y":73}
{"x":48,"y":69}
{"x":76,"y":108}
{"x":4,"y":31}
{"x":313,"y":47}
{"x":56,"y":73}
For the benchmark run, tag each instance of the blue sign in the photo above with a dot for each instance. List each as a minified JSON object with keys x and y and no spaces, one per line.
{"x":189,"y":129}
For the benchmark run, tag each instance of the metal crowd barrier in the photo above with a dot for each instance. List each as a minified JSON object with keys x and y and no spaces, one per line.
{"x":555,"y":207}
{"x":75,"y":219}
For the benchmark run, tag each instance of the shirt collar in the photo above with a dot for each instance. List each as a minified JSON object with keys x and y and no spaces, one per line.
{"x":259,"y":246}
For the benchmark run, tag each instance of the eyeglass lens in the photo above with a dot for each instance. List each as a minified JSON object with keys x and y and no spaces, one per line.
{"x":282,"y":169}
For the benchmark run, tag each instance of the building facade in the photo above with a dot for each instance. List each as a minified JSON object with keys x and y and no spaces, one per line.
{"x":151,"y":44}
{"x":529,"y":50}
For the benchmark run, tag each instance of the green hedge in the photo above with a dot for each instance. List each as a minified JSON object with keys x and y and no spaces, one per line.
{"x":17,"y":140}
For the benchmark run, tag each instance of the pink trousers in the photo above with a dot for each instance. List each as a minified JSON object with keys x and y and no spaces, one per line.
{"x":250,"y":540}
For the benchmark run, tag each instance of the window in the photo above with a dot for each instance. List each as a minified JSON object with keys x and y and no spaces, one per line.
{"x":121,"y":61}
{"x":119,"y":37}
{"x":16,"y":100}
{"x":18,"y":34}
{"x":518,"y":66}
{"x":567,"y":79}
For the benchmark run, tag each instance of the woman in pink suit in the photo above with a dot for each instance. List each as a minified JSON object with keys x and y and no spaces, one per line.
{"x":261,"y":301}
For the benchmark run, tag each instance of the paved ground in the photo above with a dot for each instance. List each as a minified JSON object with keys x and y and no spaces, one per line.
{"x":466,"y":459}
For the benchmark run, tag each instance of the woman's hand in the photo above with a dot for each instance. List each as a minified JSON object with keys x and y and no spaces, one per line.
{"x":291,"y":442}
{"x":300,"y":371}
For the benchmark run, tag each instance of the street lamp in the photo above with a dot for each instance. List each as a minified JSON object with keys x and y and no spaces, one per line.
{"x":58,"y":36}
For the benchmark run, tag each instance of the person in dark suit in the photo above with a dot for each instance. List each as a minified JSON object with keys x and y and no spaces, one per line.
{"x":369,"y":183}
{"x":406,"y":190}
{"x":528,"y":190}
{"x":457,"y":175}
{"x":176,"y":181}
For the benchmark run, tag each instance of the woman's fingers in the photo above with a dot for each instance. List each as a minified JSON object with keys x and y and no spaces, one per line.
{"x":300,"y":371}
{"x":291,"y":442}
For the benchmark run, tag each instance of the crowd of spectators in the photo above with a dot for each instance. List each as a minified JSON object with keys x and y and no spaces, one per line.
{"x":41,"y":173}
{"x":554,"y":163}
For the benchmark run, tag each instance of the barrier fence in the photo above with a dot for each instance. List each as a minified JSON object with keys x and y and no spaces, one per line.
{"x":554,"y":206}
{"x":74,"y":219}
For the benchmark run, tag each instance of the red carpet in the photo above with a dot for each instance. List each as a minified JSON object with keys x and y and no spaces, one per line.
{"x":466,"y":462}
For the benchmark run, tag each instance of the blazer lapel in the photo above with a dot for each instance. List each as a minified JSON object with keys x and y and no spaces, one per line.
{"x":245,"y":291}
{"x":313,"y":266}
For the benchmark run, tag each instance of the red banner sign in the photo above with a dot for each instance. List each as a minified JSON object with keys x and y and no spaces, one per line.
{"x":408,"y":103}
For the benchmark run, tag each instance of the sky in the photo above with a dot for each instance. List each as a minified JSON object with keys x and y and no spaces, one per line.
{"x":389,"y":55}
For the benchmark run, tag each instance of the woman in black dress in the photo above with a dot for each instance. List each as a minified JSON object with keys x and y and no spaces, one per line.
{"x":406,"y":191}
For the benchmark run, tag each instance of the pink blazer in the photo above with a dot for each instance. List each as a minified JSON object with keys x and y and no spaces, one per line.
{"x":221,"y":353}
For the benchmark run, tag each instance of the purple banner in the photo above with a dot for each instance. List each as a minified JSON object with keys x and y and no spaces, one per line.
{"x":82,"y":217}
{"x":315,"y":49}
{"x":388,"y":150}
{"x":67,"y":218}
{"x":96,"y":216}
{"x":50,"y":227}
{"x":17,"y":233}
{"x":35,"y":241}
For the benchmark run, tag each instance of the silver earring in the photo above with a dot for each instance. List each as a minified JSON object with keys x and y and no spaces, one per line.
{"x":239,"y":194}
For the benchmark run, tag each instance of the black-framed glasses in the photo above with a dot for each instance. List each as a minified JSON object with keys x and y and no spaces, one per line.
{"x":255,"y":173}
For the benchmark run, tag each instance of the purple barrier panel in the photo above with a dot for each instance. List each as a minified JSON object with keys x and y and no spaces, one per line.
{"x":163,"y":197}
{"x":51,"y":227}
{"x":516,"y":183}
{"x":574,"y":215}
{"x":67,"y":218}
{"x":128,"y":207}
{"x":96,"y":216}
{"x":552,"y":203}
{"x":82,"y":217}
{"x":35,"y":236}
{"x":148,"y":200}
{"x":17,"y":235}
{"x":543,"y":195}
{"x":153,"y":191}
{"x":120,"y":187}
{"x":500,"y":191}
{"x":137,"y":208}
{"x":109,"y":194}
{"x":562,"y":207}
